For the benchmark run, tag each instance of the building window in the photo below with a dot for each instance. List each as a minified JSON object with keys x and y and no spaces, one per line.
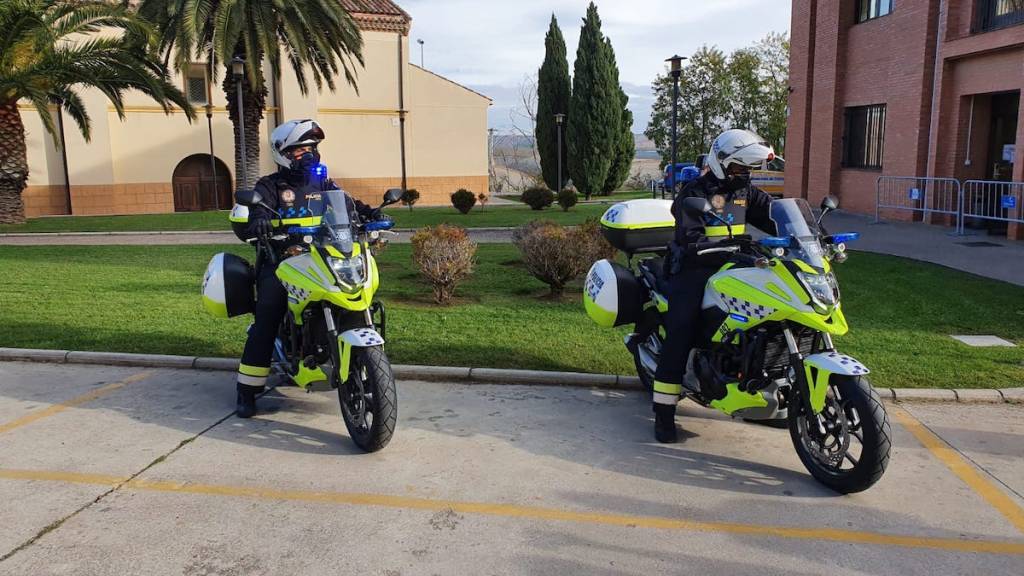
{"x":870,"y":9}
{"x":993,"y":14}
{"x":196,"y":84}
{"x":864,"y":136}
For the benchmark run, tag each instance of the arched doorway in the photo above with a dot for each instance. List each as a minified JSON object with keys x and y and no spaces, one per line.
{"x":196,"y":187}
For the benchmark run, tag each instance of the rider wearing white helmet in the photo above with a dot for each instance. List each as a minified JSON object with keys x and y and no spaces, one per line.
{"x":299,"y":178}
{"x":726,"y":186}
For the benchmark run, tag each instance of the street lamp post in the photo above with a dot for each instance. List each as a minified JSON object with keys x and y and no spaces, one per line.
{"x":676,"y":69}
{"x":238,"y":69}
{"x":420,"y":42}
{"x":559,"y":120}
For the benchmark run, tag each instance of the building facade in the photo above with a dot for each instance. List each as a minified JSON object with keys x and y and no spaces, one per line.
{"x":154,"y":162}
{"x":925,"y":88}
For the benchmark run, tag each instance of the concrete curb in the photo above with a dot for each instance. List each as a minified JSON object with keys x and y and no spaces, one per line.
{"x":402,"y":371}
{"x":479,"y":375}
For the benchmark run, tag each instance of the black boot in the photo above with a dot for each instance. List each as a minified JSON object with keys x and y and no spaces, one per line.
{"x":246,"y":405}
{"x":665,"y":424}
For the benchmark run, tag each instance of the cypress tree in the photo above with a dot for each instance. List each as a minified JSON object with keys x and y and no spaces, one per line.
{"x":625,"y":146}
{"x":553,"y":88}
{"x":595,"y":114}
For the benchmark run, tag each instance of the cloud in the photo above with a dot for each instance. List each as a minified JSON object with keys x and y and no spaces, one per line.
{"x":490,"y":45}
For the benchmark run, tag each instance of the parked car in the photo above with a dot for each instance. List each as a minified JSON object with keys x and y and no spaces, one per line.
{"x":770,"y":177}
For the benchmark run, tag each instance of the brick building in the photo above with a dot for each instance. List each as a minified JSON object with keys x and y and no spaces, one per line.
{"x":904,"y":88}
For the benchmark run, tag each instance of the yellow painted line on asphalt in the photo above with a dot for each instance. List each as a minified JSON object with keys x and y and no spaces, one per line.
{"x":531,"y":513}
{"x":77,"y":401}
{"x":963,"y":469}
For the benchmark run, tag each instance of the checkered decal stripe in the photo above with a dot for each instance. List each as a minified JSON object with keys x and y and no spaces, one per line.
{"x":844,"y":360}
{"x":748,"y":309}
{"x":296,"y":292}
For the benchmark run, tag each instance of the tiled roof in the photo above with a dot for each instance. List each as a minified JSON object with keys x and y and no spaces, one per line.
{"x":378,"y":15}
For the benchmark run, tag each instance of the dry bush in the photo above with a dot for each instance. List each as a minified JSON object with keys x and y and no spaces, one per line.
{"x":556,"y":255}
{"x":444,"y":255}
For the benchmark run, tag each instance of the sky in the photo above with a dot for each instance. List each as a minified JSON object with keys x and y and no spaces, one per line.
{"x":491,"y":46}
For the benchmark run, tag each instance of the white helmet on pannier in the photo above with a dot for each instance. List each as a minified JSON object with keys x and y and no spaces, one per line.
{"x":738,"y":147}
{"x":291,"y":134}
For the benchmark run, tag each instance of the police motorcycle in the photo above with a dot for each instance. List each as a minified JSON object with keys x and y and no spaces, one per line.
{"x":329,"y":337}
{"x":769,"y":315}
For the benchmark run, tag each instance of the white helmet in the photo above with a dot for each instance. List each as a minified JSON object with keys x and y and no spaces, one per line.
{"x":741,"y":147}
{"x":291,"y":134}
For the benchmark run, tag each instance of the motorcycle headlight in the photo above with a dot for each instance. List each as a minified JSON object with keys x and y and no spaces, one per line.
{"x":823,"y":288}
{"x":350,"y":272}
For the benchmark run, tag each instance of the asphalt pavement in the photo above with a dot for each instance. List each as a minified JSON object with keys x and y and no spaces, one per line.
{"x":127,"y":470}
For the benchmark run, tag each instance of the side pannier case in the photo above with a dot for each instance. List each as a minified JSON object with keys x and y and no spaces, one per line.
{"x":228,"y":286}
{"x":612,"y":295}
{"x":643,"y":225}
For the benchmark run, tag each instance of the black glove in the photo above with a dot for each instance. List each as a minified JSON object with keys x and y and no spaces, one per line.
{"x":263,"y":228}
{"x":374,"y":214}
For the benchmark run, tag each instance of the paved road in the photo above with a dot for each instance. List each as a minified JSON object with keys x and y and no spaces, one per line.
{"x":134,"y":471}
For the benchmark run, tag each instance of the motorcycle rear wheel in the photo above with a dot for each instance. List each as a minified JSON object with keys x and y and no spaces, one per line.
{"x":369,"y":401}
{"x":853,"y":414}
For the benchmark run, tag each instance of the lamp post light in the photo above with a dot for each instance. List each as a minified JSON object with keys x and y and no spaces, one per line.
{"x":420,"y":42}
{"x":238,"y":70}
{"x":559,"y":120}
{"x":676,"y":69}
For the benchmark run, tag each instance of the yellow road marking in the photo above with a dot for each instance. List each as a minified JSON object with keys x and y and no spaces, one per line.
{"x":963,"y":469}
{"x":77,"y":401}
{"x":529,"y":512}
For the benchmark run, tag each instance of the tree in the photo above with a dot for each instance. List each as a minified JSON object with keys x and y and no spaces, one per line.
{"x":595,"y":114}
{"x":317,"y":36}
{"x":625,"y":145}
{"x":553,"y":92}
{"x":705,"y":93}
{"x":49,"y":52}
{"x":747,"y":100}
{"x":773,"y":51}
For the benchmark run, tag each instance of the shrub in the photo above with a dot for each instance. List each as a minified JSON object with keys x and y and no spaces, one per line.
{"x":463,"y":200}
{"x":410,"y":197}
{"x":444,"y":254}
{"x":567,"y":199}
{"x":556,"y":255}
{"x":482,"y":198}
{"x":538,"y":197}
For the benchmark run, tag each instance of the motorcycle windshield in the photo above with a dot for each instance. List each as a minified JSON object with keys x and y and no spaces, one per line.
{"x":793,"y":218}
{"x":335,"y":220}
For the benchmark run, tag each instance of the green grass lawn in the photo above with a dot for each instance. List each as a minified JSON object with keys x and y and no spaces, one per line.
{"x":490,"y":216}
{"x":146,"y":299}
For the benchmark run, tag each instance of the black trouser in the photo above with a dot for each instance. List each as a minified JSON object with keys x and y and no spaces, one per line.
{"x":271,"y":305}
{"x":683,"y":327}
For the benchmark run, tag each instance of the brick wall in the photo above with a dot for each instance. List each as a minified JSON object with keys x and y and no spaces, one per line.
{"x":44,"y":201}
{"x":106,"y":199}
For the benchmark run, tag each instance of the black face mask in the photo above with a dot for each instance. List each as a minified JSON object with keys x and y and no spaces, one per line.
{"x":737,"y":182}
{"x":306,"y":162}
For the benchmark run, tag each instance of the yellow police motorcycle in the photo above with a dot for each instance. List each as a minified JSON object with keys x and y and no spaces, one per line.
{"x":769,"y":316}
{"x":329,"y":338}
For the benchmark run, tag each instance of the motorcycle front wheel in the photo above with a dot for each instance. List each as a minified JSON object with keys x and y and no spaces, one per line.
{"x":845,"y":447}
{"x":369,"y":401}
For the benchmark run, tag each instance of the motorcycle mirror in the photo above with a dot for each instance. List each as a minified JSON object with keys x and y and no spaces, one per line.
{"x":393,"y":195}
{"x":697,"y":207}
{"x":248,"y":197}
{"x":829,"y":203}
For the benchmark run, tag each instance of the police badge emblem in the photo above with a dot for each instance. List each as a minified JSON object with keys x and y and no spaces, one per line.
{"x":718,"y":202}
{"x":288,"y":197}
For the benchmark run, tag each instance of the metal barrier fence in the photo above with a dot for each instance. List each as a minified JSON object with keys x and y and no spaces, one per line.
{"x":919,"y":194}
{"x":990,"y":200}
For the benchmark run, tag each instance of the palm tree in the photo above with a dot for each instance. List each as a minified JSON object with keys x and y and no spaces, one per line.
{"x":318,"y":36}
{"x":52,"y":49}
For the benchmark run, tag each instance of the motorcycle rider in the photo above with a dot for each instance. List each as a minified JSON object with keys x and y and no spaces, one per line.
{"x":726,"y":185}
{"x":299,"y":178}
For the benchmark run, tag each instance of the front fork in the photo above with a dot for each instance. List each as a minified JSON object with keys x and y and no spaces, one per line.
{"x":796,"y":363}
